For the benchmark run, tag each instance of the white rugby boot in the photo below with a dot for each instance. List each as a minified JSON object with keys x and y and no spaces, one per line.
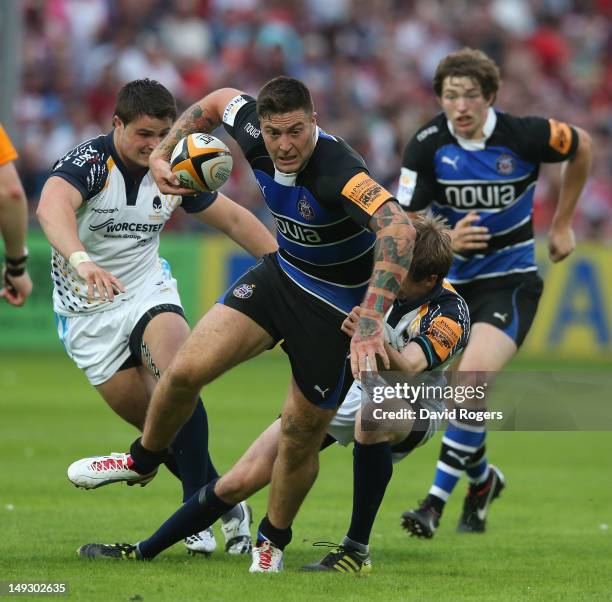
{"x":267,"y":558}
{"x":203,"y":542}
{"x":237,"y":532}
{"x":94,"y":472}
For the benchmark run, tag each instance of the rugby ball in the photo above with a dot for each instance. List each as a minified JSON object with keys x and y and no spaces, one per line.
{"x":201,"y":162}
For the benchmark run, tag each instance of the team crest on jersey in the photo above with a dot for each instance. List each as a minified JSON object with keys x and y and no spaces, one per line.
{"x":244,"y":291}
{"x":305,"y":209}
{"x":504,"y":164}
{"x":157,"y":204}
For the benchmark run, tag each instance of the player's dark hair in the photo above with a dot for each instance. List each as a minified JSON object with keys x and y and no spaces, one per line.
{"x":471,"y":63}
{"x":144,"y":97}
{"x":283,"y":95}
{"x":433,"y":252}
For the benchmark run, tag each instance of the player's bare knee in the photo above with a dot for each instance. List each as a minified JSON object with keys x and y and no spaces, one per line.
{"x":301,"y":431}
{"x":184,"y":376}
{"x":371,"y":437}
{"x":230,"y":487}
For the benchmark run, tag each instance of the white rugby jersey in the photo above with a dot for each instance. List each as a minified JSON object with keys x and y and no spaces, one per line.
{"x":118,"y":223}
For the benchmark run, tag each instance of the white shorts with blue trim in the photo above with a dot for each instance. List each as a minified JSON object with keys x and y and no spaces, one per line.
{"x":99,"y":342}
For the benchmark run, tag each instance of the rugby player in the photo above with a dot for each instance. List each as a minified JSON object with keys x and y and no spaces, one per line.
{"x":16,"y":284}
{"x":426,"y":325}
{"x":119,"y":314}
{"x":477,"y":167}
{"x":344,"y":241}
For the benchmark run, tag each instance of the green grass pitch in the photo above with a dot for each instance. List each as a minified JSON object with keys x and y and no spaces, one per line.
{"x":547,"y":538}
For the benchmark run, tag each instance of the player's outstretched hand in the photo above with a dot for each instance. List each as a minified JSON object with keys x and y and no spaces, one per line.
{"x":368,"y":342}
{"x":349,"y":326}
{"x":561,"y":242}
{"x":467,"y":237}
{"x":16,"y":289}
{"x":167,"y":182}
{"x":99,"y":281}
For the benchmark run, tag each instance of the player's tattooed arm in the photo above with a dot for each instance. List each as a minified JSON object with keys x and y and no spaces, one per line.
{"x":392,"y":257}
{"x":203,"y":116}
{"x":197,"y":118}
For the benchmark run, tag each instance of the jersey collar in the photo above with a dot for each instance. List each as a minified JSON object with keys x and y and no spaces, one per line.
{"x":472,"y":145}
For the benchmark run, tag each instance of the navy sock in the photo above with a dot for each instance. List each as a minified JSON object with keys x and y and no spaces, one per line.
{"x":190,"y":450}
{"x":267,"y":531}
{"x":195,"y":515}
{"x":172,"y":466}
{"x":372,"y":470}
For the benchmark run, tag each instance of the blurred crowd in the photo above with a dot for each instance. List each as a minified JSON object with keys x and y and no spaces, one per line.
{"x":369,"y":64}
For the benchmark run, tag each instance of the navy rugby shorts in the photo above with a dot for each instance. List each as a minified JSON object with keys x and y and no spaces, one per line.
{"x":507,"y":302}
{"x":308,"y":328}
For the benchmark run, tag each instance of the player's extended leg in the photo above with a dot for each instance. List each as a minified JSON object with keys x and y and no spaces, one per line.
{"x":127,"y":393}
{"x":372,"y":471}
{"x":253,"y":471}
{"x":223,"y":338}
{"x":250,"y":474}
{"x":158,"y":339}
{"x":463,"y":445}
{"x":155,"y":339}
{"x":161,"y":340}
{"x":489,"y":351}
{"x":303,"y":428}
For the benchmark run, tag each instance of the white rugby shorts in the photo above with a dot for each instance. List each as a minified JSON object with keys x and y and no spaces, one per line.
{"x":99,"y":343}
{"x":342,"y":426}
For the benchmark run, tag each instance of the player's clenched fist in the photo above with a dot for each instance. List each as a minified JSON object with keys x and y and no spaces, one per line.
{"x":561,"y":242}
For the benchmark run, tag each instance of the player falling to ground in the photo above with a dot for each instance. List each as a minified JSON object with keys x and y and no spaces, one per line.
{"x":426,"y":325}
{"x":477,"y":167}
{"x":118,"y":310}
{"x":16,"y":285}
{"x":344,"y":240}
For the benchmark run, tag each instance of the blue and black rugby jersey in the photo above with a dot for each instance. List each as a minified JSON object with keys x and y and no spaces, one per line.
{"x":321,"y":213}
{"x":496,"y":179}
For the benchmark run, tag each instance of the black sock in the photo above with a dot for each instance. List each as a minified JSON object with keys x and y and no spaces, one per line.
{"x":372,"y":470}
{"x":195,"y":515}
{"x":172,"y":466}
{"x":145,"y":460}
{"x":190,"y":450}
{"x":435,"y":502}
{"x":279,"y":537}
